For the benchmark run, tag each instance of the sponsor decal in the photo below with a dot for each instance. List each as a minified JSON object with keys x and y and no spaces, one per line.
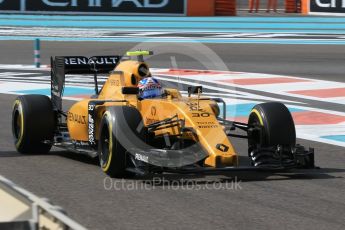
{"x":153,"y":114}
{"x":91,"y":130}
{"x":80,"y":64}
{"x":80,"y":119}
{"x":76,"y":61}
{"x":143,"y":158}
{"x":222,"y":147}
{"x":80,"y":143}
{"x":92,"y":140}
{"x":207,"y":125}
{"x":153,"y":111}
{"x":327,"y":6}
{"x":97,"y":6}
{"x":114,"y":3}
{"x":109,"y":60}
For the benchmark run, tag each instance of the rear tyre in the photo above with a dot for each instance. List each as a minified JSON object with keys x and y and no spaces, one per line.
{"x":119,"y":131}
{"x":33,"y":124}
{"x":272,"y":130}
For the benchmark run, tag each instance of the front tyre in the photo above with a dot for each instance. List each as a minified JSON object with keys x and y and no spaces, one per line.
{"x":271,"y":134}
{"x":33,"y":124}
{"x":119,"y":131}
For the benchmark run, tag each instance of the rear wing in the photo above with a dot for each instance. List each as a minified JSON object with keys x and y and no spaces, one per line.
{"x":63,"y":65}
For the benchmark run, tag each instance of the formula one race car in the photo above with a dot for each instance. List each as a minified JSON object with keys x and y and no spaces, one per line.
{"x":169,"y":133}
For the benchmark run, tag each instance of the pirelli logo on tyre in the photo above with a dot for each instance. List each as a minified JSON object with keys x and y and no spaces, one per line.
{"x":110,"y":7}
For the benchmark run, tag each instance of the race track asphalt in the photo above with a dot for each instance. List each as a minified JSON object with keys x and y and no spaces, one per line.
{"x":314,"y":61}
{"x":307,"y":200}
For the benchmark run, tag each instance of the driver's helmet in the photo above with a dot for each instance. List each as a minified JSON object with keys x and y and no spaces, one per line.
{"x":149,"y":88}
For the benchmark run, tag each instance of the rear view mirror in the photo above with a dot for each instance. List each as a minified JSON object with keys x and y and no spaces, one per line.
{"x":194,"y":90}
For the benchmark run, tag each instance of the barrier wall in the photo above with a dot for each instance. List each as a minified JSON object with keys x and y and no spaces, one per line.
{"x":164,"y":7}
{"x":200,"y":8}
{"x":225,"y":7}
{"x":243,"y":5}
{"x":292,"y":6}
{"x":94,"y":7}
{"x":121,"y":7}
{"x":211,"y":8}
{"x":20,"y":209}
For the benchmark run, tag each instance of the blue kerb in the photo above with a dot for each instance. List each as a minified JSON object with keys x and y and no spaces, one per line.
{"x":69,"y":91}
{"x":243,"y":110}
{"x":340,"y":138}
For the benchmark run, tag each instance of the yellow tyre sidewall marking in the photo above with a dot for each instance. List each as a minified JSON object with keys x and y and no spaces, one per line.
{"x":20,"y":110}
{"x":259,"y":116}
{"x":107,"y":165}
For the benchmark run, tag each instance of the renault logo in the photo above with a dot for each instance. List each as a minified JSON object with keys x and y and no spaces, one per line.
{"x":153,"y":111}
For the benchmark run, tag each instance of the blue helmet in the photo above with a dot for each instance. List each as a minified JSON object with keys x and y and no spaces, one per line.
{"x":149,"y":88}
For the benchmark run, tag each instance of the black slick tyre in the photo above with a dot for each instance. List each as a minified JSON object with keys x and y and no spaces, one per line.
{"x":118,"y":132}
{"x":33,"y":124}
{"x":277,"y":123}
{"x":271,"y":127}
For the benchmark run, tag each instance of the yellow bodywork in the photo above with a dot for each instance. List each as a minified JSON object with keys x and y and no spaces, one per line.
{"x":198,"y":114}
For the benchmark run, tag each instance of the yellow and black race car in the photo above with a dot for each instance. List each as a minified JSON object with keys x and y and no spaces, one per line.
{"x":170,"y":133}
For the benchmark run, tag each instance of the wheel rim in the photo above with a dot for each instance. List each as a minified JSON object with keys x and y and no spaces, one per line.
{"x":255,"y":123}
{"x":17,"y":125}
